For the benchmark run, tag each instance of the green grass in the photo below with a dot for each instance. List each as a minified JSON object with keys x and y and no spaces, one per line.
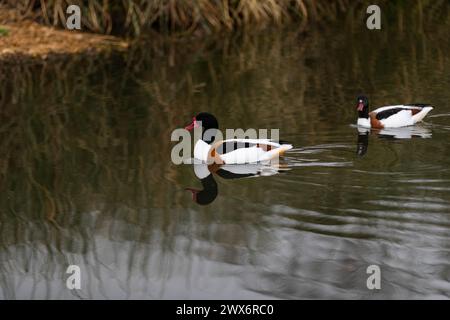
{"x":3,"y":31}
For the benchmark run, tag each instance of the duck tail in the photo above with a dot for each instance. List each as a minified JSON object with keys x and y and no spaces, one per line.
{"x":269,"y":155}
{"x":420,"y":115}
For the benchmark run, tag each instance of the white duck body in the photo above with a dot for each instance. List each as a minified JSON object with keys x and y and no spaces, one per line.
{"x":395,"y":116}
{"x":251,"y":154}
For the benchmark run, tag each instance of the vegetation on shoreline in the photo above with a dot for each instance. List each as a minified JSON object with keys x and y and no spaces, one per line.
{"x":179,"y":18}
{"x":182,"y":17}
{"x":185,"y":16}
{"x":24,"y":40}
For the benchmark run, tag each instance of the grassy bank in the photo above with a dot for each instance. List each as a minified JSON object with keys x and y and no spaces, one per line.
{"x":171,"y":16}
{"x":134,"y":17}
{"x":24,"y":25}
{"x":24,"y":40}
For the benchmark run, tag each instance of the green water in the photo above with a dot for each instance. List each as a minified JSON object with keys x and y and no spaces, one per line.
{"x":86,"y":176}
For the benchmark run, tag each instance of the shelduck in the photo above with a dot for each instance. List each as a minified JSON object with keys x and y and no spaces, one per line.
{"x":231,"y":151}
{"x":390,"y":116}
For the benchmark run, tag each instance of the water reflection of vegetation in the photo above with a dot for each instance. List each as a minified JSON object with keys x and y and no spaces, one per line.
{"x":88,"y":135}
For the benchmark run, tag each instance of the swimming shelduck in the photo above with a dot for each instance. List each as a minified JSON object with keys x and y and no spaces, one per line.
{"x":231,"y":151}
{"x":390,"y":116}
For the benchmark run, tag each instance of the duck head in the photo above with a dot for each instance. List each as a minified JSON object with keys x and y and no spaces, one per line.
{"x":362,"y":105}
{"x":208,"y":123}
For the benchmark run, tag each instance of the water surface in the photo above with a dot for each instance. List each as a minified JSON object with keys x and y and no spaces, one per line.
{"x":86,"y":176}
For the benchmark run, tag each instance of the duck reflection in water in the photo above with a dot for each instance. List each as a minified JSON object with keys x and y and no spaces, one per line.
{"x":205,"y":173}
{"x":389,"y":133}
{"x":363,"y":142}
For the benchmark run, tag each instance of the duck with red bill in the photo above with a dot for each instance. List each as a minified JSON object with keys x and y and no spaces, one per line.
{"x":360,"y":105}
{"x":391,"y":116}
{"x":244,"y":150}
{"x":193,"y":125}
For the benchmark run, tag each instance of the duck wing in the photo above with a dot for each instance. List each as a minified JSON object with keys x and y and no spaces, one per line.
{"x":388,"y":111}
{"x":401,"y":115}
{"x":241,"y":151}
